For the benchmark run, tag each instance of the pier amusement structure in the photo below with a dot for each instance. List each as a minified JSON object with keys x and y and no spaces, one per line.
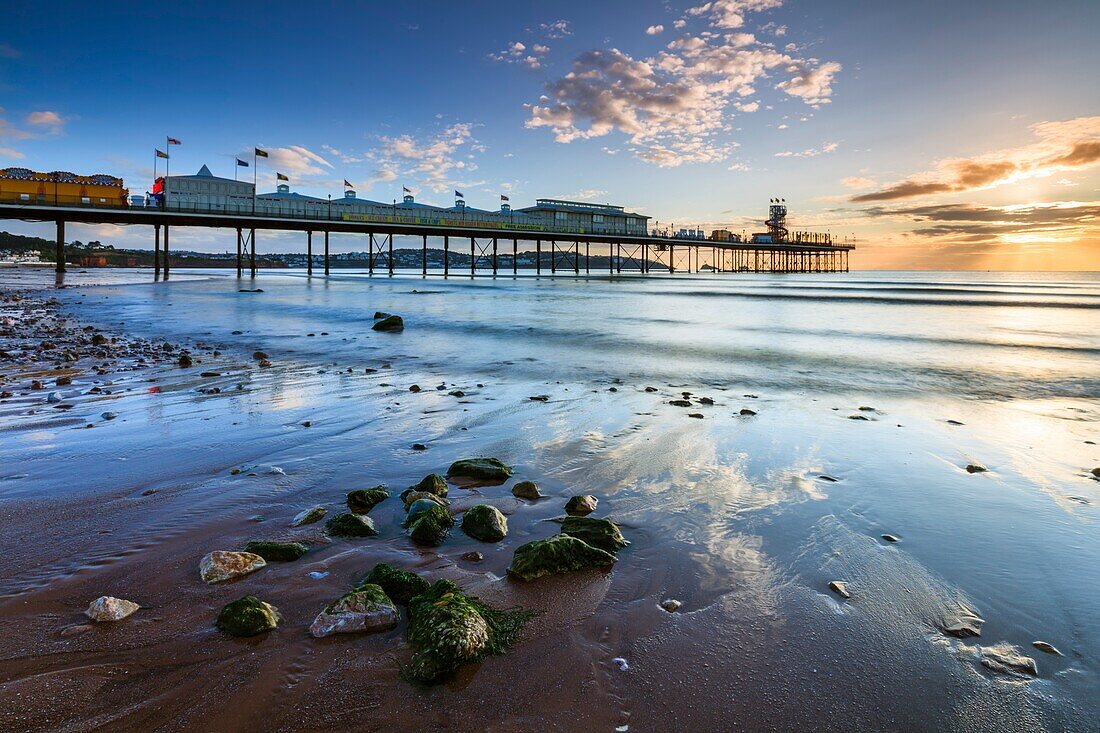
{"x":564,"y":236}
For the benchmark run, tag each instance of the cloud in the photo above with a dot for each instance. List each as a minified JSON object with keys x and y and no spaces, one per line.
{"x":675,"y":106}
{"x":857,"y":182}
{"x":731,"y":13}
{"x":679,"y":23}
{"x":294,"y":160}
{"x":518,"y":53}
{"x":9,"y":52}
{"x":45,"y":118}
{"x":810,"y":152}
{"x":9,"y":153}
{"x":1060,"y":146}
{"x":588,"y":194}
{"x":435,"y":160}
{"x":654,"y":30}
{"x":556,"y":29}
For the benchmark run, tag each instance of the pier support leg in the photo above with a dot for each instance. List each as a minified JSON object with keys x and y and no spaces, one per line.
{"x":240,"y":260}
{"x":538,"y":256}
{"x":251,"y":252}
{"x":391,"y":255}
{"x":156,"y":250}
{"x":671,"y":258}
{"x":553,"y":257}
{"x":618,"y":257}
{"x":576,"y":258}
{"x":326,"y":253}
{"x":494,"y":256}
{"x":645,"y":257}
{"x":473,"y":259}
{"x":309,"y":254}
{"x":167,"y":257}
{"x":370,"y":253}
{"x":446,"y":255}
{"x":515,"y":255}
{"x":424,"y":257}
{"x":59,"y":264}
{"x":587,"y":258}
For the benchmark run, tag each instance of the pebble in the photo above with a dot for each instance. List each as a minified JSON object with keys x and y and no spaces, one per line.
{"x":1048,"y":648}
{"x":623,"y":665}
{"x":108,"y":415}
{"x":671,"y":605}
{"x":53,"y":397}
{"x":976,"y":468}
{"x":419,"y":446}
{"x":472,"y":556}
{"x":109,"y":608}
{"x":839,"y":588}
{"x":889,"y":538}
{"x":747,"y":412}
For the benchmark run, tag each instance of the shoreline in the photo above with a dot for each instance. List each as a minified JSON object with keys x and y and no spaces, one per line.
{"x":729,"y":514}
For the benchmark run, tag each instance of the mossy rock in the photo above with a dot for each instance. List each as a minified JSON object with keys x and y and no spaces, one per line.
{"x":485,"y":523}
{"x":248,"y":616}
{"x":449,"y":629}
{"x":585,"y":504}
{"x":410,"y":497}
{"x":481,"y":469}
{"x":390,"y":323}
{"x":351,"y":525}
{"x":420,"y":506}
{"x":399,"y":585}
{"x":559,"y":554}
{"x":430,"y":527}
{"x":379,"y":315}
{"x":365,"y":609}
{"x":527,"y":490}
{"x":362,"y":501}
{"x":433,"y":483}
{"x":600,"y":533}
{"x":276,"y":551}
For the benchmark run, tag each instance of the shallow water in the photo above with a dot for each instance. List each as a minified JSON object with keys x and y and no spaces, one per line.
{"x":728,"y":514}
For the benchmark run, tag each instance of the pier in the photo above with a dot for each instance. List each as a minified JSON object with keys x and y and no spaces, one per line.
{"x":493,"y":248}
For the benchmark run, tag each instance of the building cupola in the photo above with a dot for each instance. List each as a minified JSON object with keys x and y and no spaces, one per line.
{"x":349,"y":194}
{"x":408,"y":199}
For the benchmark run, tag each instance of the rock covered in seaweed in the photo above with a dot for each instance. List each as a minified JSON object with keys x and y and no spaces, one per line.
{"x":248,"y":616}
{"x":527,"y":490}
{"x":600,"y":533}
{"x":410,"y":497}
{"x":449,"y":629}
{"x":399,"y":585}
{"x":276,"y":551}
{"x":362,"y":501}
{"x":581,"y":504}
{"x":480,"y":469}
{"x":559,"y":554}
{"x":222,"y":565}
{"x":365,"y":609}
{"x":428,"y":523}
{"x":392,"y":323}
{"x":109,"y":608}
{"x":485,"y":523}
{"x":433,"y":483}
{"x":351,"y":525}
{"x":309,"y":516}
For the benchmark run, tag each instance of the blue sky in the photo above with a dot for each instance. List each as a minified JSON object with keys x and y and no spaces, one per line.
{"x":694,"y":113}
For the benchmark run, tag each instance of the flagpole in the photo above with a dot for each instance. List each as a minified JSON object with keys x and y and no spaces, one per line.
{"x":255,"y":171}
{"x":167,"y":167}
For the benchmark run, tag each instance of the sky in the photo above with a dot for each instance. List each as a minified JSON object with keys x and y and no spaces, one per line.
{"x":940,"y":135}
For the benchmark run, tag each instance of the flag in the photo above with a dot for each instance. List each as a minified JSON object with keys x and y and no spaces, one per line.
{"x":241,"y":163}
{"x":503,"y":197}
{"x":161,"y":154}
{"x":174,"y":141}
{"x":406,"y":189}
{"x":281,"y":177}
{"x":458,"y":195}
{"x":347,"y":185}
{"x":261,"y":153}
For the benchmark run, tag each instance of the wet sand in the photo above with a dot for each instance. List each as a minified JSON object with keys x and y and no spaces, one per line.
{"x":734,"y":515}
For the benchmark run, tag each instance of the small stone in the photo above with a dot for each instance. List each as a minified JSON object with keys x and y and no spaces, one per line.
{"x":955,"y":422}
{"x":865,"y":408}
{"x":1007,"y":659}
{"x":1096,"y":472}
{"x":351,"y":525}
{"x":210,"y":374}
{"x":185,"y":360}
{"x":365,"y":609}
{"x":473,"y":556}
{"x":839,"y":588}
{"x":696,"y":415}
{"x":433,"y":483}
{"x":264,"y":364}
{"x":457,"y":393}
{"x":600,"y":533}
{"x":99,"y":339}
{"x":622,"y":664}
{"x":248,"y":616}
{"x":428,"y":526}
{"x":361,"y":501}
{"x":109,"y":608}
{"x":706,"y":401}
{"x":53,"y":397}
{"x":414,"y":388}
{"x":276,"y":551}
{"x":392,"y":324}
{"x":108,"y":415}
{"x":558,"y":554}
{"x":540,"y":398}
{"x":410,"y":497}
{"x":650,"y":389}
{"x":976,"y":468}
{"x":680,"y":403}
{"x":858,"y":417}
{"x":747,"y":412}
{"x":148,"y":492}
{"x":889,"y":538}
{"x":222,"y":565}
{"x":307,"y":424}
{"x":827,"y":477}
{"x":1048,"y":648}
{"x":527,"y":490}
{"x":485,"y":523}
{"x":63,"y":381}
{"x":671,"y":605}
{"x":419,"y":446}
{"x":585,"y":504}
{"x":259,"y":355}
{"x":379,"y":315}
{"x":481,"y":469}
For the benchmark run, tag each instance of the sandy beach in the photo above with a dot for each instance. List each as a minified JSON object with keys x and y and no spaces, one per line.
{"x":925,"y":440}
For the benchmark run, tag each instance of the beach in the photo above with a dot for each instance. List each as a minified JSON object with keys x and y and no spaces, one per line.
{"x":926,"y":439}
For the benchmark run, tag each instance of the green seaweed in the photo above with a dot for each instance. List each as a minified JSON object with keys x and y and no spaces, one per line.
{"x":362,"y":501}
{"x":247,"y":616}
{"x":558,"y":554}
{"x":601,"y":533}
{"x":399,"y":585}
{"x":481,"y":469}
{"x":276,"y":551}
{"x":449,"y":629}
{"x":433,"y":483}
{"x":351,"y":525}
{"x":485,"y":523}
{"x":430,"y":526}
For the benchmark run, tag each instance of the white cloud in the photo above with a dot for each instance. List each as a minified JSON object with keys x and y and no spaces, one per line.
{"x":294,"y":160}
{"x":731,"y":13}
{"x":679,"y":23}
{"x":741,"y":167}
{"x":46,"y":118}
{"x":518,"y":53}
{"x":857,"y":182}
{"x":12,"y":154}
{"x":556,"y":29}
{"x":434,"y":160}
{"x":674,"y":107}
{"x":654,"y":30}
{"x":810,"y":152}
{"x":588,"y":194}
